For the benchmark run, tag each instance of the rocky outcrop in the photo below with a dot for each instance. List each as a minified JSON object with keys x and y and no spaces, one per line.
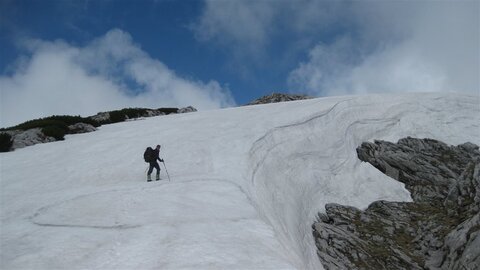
{"x":277,"y":97}
{"x":28,"y":137}
{"x":24,"y":138}
{"x":101,"y":117}
{"x":438,"y":230}
{"x":135,"y":113}
{"x":81,"y":128}
{"x":188,"y":109}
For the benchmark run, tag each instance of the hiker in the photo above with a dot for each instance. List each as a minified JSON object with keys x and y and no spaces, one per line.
{"x":151,"y":156}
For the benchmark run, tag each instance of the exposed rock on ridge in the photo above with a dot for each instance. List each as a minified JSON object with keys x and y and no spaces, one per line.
{"x":277,"y":97}
{"x":120,"y":115}
{"x":439,"y":230}
{"x":23,"y":138}
{"x":29,"y":137}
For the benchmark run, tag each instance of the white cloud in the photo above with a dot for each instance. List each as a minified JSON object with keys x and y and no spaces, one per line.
{"x":235,"y":23}
{"x":250,"y":24}
{"x":109,"y":73}
{"x":336,"y":69}
{"x":402,"y":46}
{"x":247,"y":30}
{"x":354,"y":46}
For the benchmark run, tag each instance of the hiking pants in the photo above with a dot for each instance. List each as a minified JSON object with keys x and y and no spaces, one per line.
{"x":154,"y":165}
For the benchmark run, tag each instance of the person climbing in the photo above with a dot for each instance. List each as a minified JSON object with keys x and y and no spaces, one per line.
{"x":151,"y":156}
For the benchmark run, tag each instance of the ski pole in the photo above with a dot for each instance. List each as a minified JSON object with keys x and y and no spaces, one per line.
{"x":166,"y":170}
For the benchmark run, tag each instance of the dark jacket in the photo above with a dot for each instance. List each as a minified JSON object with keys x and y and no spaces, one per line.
{"x":156,"y":154}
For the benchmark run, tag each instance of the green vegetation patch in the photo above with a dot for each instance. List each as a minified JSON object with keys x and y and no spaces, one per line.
{"x":61,"y":121}
{"x":57,"y":132}
{"x":131,"y":113}
{"x":5,"y":142}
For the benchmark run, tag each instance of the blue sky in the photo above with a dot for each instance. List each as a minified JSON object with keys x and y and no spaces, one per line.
{"x":81,"y":57}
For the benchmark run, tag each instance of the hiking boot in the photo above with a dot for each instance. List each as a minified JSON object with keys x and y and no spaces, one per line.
{"x":149,"y":178}
{"x":158,"y":177}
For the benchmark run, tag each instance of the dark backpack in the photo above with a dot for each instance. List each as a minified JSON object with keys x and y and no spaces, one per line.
{"x":148,"y":155}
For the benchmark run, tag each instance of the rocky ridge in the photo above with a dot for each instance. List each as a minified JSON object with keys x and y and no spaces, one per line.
{"x":278,"y":97}
{"x":24,"y":138}
{"x":123,"y":115}
{"x":438,"y":230}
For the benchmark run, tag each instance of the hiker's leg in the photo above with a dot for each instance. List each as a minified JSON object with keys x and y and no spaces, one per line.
{"x":158,"y":170}
{"x":150,"y":169}
{"x":149,"y":173}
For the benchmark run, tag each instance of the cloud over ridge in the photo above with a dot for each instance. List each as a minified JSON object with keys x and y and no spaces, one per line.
{"x":435,"y":49}
{"x":354,"y":47}
{"x":110,"y":72}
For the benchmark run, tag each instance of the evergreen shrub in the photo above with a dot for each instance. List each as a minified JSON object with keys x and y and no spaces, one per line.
{"x":62,"y":121}
{"x":56,"y":132}
{"x":128,"y":113}
{"x":5,"y":142}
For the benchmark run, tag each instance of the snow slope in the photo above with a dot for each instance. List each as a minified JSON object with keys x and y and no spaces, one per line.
{"x":246,"y":183}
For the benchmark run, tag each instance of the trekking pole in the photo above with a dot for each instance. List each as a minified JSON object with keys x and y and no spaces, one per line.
{"x":166,"y":170}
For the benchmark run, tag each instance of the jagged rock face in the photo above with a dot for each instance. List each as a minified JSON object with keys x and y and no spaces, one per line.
{"x":439,"y":230}
{"x":427,"y":167}
{"x":277,"y":97}
{"x":348,"y":238}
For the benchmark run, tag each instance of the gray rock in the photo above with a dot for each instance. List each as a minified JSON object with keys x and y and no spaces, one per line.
{"x":188,"y":109}
{"x":278,"y":97}
{"x":461,"y":248}
{"x":81,"y":128}
{"x":151,"y":113}
{"x":29,"y":137}
{"x":439,"y":230}
{"x":101,"y":117}
{"x":24,"y":138}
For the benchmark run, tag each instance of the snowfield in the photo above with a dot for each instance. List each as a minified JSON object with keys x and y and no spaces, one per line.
{"x":246,"y":183}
